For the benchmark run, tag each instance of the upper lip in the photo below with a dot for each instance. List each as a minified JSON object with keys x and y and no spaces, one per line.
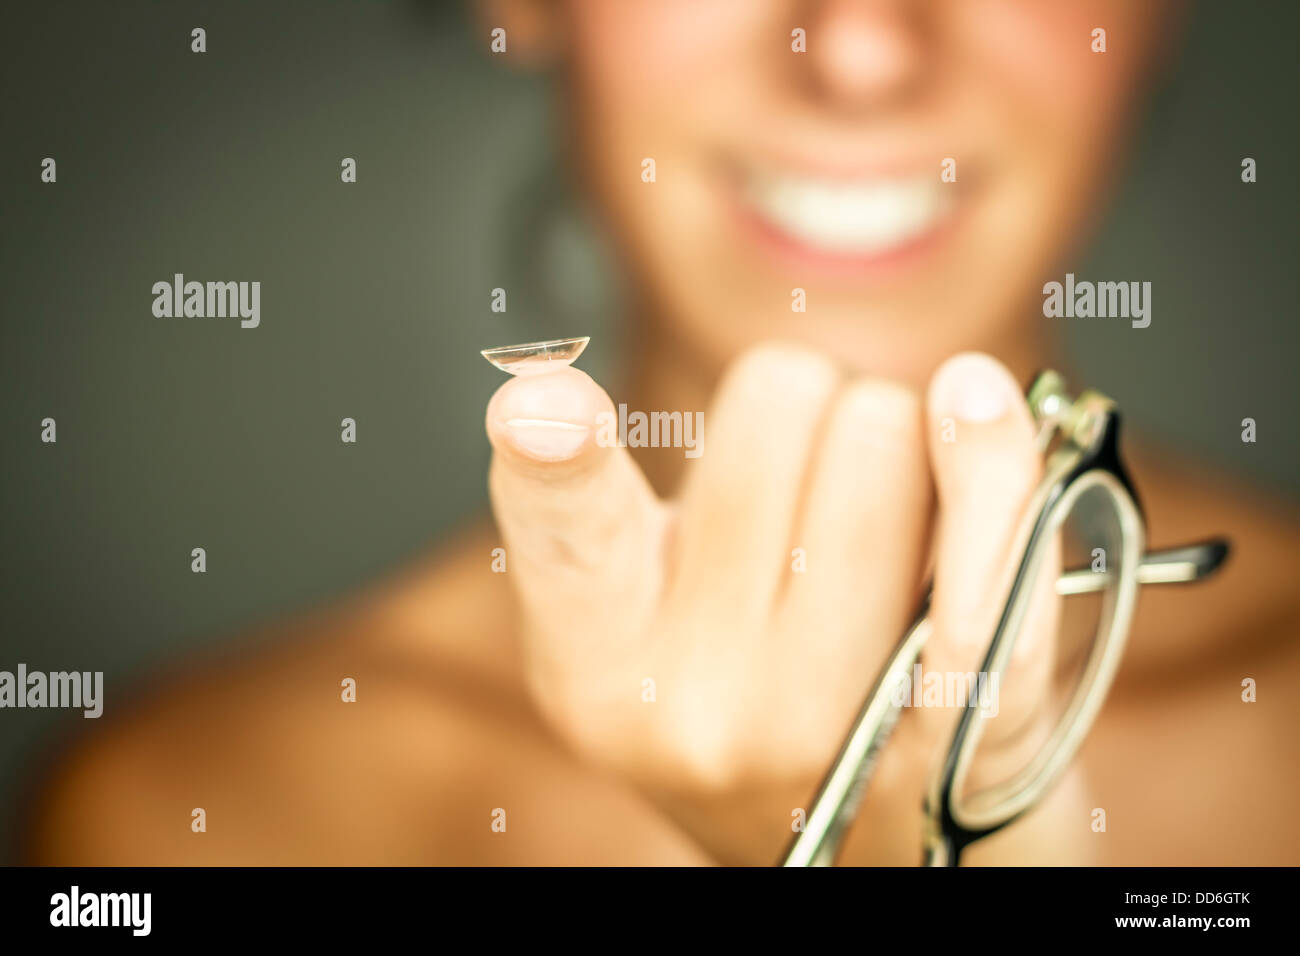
{"x":833,"y":172}
{"x":843,"y":155}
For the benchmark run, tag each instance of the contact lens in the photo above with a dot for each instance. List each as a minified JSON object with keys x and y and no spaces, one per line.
{"x":536,"y":357}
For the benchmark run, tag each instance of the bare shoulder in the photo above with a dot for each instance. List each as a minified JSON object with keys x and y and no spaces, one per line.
{"x":367,"y":733}
{"x":1250,"y":607}
{"x":1199,"y":764}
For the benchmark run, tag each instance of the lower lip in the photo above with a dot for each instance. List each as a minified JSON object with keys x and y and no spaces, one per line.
{"x":792,"y":253}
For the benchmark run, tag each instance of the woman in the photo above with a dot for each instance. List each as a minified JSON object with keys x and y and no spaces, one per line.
{"x":839,"y":251}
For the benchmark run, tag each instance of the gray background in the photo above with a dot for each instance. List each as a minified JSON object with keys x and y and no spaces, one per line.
{"x":174,"y":434}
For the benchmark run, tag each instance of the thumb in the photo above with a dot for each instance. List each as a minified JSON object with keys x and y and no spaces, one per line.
{"x":582,"y":528}
{"x":986,"y":466}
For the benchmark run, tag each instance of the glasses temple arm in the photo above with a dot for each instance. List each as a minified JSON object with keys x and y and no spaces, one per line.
{"x":1183,"y":565}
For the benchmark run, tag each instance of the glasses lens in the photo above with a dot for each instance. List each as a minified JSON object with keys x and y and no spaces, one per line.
{"x":1033,"y":712}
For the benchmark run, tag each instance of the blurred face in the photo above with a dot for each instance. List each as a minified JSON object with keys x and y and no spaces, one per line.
{"x":824,"y":171}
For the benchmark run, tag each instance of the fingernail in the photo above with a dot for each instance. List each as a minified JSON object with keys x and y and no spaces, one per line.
{"x":973,"y":388}
{"x":545,"y":439}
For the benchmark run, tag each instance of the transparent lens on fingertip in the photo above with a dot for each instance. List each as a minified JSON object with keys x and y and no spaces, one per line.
{"x":535,"y":358}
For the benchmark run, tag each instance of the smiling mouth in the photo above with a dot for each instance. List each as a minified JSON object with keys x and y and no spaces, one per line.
{"x":862,"y":218}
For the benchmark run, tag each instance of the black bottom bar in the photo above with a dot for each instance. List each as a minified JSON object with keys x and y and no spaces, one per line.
{"x":937,"y":908}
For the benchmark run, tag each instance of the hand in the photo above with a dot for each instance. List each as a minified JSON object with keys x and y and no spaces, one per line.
{"x":677,"y":644}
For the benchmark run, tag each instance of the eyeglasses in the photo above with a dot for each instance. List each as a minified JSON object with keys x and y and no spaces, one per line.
{"x":1085,"y":503}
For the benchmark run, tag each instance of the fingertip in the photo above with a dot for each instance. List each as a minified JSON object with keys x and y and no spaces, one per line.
{"x":882,"y":403}
{"x":983,"y":447}
{"x":974,"y":388}
{"x":547,"y":418}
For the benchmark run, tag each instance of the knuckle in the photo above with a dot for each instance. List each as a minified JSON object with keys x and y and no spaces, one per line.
{"x":785,"y":372}
{"x":875,"y":408}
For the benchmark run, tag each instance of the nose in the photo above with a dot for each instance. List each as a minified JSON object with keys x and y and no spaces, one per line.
{"x":863,"y":52}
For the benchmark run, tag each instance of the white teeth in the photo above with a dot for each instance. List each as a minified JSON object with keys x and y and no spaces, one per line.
{"x":850,"y":216}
